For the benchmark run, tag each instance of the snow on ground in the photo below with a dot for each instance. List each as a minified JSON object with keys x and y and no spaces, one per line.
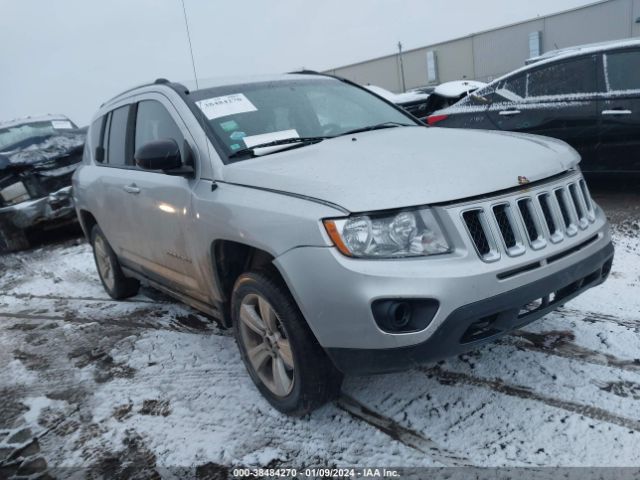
{"x":148,"y":383}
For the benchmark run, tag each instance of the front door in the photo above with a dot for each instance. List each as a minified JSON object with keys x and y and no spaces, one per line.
{"x":619,"y":149}
{"x":161,"y":205}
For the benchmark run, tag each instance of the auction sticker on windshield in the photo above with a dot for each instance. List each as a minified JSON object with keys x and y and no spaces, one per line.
{"x":217,"y":107}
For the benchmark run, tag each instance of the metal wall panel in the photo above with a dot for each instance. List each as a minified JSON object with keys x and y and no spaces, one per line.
{"x":382,"y":72}
{"x":488,"y":55}
{"x":500,"y":51}
{"x":454,"y":61}
{"x":635,"y":27}
{"x":597,"y":23}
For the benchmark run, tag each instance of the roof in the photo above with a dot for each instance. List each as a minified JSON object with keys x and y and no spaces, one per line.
{"x":32,"y":119}
{"x":585,"y":49}
{"x":569,"y":53}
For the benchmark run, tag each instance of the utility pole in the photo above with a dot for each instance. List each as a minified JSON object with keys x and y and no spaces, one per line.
{"x":404,"y":86}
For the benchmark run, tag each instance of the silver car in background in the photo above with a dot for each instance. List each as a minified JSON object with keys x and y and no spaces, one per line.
{"x":331,"y":230}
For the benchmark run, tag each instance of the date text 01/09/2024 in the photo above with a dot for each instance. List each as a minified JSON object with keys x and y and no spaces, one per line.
{"x":314,"y":473}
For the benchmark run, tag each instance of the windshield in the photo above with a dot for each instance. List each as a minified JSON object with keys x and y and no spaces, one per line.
{"x":242,"y":116}
{"x":11,"y":136}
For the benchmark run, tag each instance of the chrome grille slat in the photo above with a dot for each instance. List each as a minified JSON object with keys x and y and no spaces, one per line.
{"x":529,"y":219}
{"x":480,"y":232}
{"x":578,"y":205}
{"x":508,"y":229}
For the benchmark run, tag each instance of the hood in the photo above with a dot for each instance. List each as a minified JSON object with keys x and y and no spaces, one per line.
{"x":48,"y":149}
{"x":410,"y":166}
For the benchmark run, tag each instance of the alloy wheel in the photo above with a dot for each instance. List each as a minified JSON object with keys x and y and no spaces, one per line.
{"x":266,"y":344}
{"x":103,"y":261}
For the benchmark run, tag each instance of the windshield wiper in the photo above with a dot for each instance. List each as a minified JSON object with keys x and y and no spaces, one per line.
{"x":295,"y":141}
{"x":378,"y":126}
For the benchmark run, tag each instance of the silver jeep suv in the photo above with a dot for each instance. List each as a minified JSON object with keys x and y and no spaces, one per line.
{"x":331,"y":230}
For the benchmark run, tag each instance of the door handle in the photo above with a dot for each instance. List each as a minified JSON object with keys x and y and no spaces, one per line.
{"x":616,"y":112}
{"x":133,"y":188}
{"x":509,"y":112}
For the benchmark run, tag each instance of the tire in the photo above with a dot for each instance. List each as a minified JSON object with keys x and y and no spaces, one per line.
{"x":117,"y":285}
{"x":314,"y":379}
{"x":12,"y":239}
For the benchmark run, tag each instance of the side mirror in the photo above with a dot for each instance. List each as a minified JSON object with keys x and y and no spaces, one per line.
{"x":159,"y":155}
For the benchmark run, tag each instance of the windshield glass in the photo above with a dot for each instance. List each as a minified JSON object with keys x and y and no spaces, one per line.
{"x":19,"y":133}
{"x":242,"y":116}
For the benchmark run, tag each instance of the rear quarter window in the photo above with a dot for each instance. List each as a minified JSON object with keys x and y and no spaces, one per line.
{"x":94,"y":140}
{"x":117,"y":147}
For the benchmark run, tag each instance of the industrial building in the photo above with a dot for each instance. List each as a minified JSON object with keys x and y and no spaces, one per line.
{"x":487,"y":55}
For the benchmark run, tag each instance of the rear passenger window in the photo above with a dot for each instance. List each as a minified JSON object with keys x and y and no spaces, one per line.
{"x":153,"y":122}
{"x":117,"y":147}
{"x":623,"y":70}
{"x":566,"y":78}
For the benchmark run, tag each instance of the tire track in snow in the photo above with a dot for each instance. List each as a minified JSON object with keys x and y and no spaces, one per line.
{"x":174,"y":324}
{"x":447,"y":377}
{"x":592,"y":317}
{"x":29,"y":296}
{"x":406,"y":436}
{"x":560,"y":344}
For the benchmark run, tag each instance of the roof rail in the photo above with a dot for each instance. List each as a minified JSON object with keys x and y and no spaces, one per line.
{"x":178,"y":87}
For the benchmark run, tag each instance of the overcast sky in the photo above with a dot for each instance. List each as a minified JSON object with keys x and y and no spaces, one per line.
{"x":68,"y":56}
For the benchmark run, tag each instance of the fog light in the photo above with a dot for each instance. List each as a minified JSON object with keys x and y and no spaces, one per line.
{"x":399,"y":314}
{"x":404,"y":315}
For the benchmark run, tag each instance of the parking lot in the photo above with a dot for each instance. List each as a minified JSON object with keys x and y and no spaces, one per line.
{"x":142,"y":385}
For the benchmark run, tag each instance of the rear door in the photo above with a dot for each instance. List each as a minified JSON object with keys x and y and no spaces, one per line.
{"x":619,"y":149}
{"x":161,"y":204}
{"x":557,"y":99}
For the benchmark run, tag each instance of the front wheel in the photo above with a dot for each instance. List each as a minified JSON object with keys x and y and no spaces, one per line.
{"x":279,"y":350}
{"x":117,"y":285}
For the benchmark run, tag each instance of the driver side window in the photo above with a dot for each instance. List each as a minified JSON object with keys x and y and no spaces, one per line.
{"x":153,"y":122}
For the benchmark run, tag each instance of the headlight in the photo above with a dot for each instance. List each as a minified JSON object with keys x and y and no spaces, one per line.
{"x":410,"y":233}
{"x":14,"y":193}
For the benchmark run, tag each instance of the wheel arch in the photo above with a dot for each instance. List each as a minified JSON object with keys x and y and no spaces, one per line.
{"x":87,"y":222}
{"x":230,"y":259}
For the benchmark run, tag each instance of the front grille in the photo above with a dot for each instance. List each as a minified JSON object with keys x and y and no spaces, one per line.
{"x":527,"y":217}
{"x":544,"y":215}
{"x":563,"y":208}
{"x":477,"y":231}
{"x":545,"y":204}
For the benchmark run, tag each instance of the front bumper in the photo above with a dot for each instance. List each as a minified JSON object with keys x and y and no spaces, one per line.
{"x":55,"y":208}
{"x":335,"y":294}
{"x":498,"y":315}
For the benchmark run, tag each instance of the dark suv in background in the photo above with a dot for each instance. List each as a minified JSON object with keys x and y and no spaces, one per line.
{"x":588,"y":96}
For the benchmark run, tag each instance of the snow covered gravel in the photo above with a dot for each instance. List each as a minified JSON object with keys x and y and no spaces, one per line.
{"x":148,"y":383}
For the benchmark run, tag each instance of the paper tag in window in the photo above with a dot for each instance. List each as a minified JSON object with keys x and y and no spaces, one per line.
{"x":61,"y":124}
{"x":226,"y":105}
{"x":269,"y":137}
